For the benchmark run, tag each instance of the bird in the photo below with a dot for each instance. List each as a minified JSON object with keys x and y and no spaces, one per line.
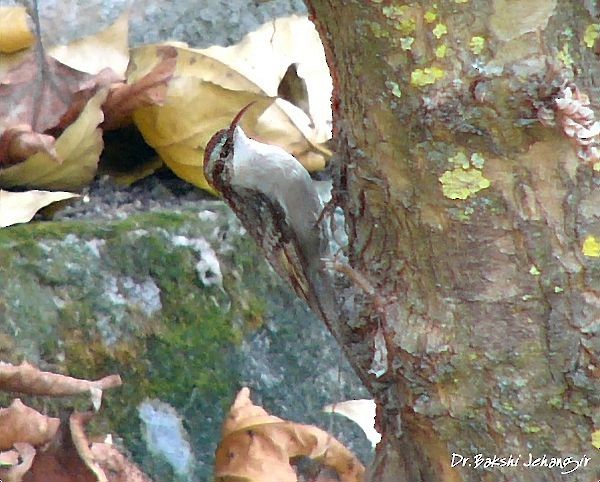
{"x":276,"y":201}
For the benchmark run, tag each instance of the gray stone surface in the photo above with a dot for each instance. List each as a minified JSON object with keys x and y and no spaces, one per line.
{"x":200,"y":23}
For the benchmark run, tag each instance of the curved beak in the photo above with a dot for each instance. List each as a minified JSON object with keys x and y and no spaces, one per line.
{"x":236,"y":120}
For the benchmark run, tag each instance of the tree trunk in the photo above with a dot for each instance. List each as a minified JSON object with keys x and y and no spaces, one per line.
{"x":465,"y":169}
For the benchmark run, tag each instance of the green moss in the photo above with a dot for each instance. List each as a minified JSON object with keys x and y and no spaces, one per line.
{"x":459,"y":160}
{"x":591,"y":247}
{"x":463,"y":215}
{"x":394,"y":11}
{"x":477,"y":160}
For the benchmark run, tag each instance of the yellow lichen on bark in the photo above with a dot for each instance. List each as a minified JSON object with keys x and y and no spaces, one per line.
{"x":461,"y":183}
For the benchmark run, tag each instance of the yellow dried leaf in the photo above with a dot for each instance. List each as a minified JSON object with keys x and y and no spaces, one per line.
{"x":94,"y":53}
{"x":195,"y":63}
{"x":193,"y":109}
{"x":209,"y":87}
{"x":20,"y":207}
{"x":150,"y":89}
{"x":78,"y":148}
{"x":14,"y":32}
{"x":287,"y":126}
{"x":263,"y":56}
{"x":190,"y":173}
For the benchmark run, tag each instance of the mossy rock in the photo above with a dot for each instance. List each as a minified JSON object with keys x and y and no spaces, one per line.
{"x":180,"y":305}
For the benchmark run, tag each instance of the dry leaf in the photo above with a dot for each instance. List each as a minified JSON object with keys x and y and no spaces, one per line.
{"x":194,"y":108}
{"x":17,"y":471}
{"x":361,"y":412}
{"x":64,"y":452}
{"x":20,"y":207}
{"x":293,"y":89}
{"x":256,"y":446}
{"x":208,"y":90}
{"x":149,"y":89}
{"x":113,"y":463}
{"x":78,"y":148}
{"x":8,"y":458}
{"x":19,"y":142}
{"x":77,"y":421}
{"x":263,"y":56}
{"x":25,"y":378}
{"x":59,"y":460}
{"x":131,"y":175}
{"x":44,"y":102}
{"x":94,"y":53}
{"x":19,"y":423}
{"x":288,"y":127}
{"x":14,"y":31}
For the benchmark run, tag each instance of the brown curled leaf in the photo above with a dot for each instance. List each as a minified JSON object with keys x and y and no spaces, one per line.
{"x":10,"y":457}
{"x":259,"y":447}
{"x":19,"y":142}
{"x":20,"y":423}
{"x":151,"y":89}
{"x":17,"y":471}
{"x":117,"y":467}
{"x":77,"y":422}
{"x":25,"y":378}
{"x":43,"y":101}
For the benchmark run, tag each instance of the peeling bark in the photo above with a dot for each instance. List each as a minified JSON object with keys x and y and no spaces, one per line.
{"x":475,"y":221}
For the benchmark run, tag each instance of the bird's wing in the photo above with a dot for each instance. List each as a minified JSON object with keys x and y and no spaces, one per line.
{"x":266,"y":222}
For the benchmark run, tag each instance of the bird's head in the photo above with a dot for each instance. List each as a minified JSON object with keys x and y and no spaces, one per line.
{"x":219,"y":152}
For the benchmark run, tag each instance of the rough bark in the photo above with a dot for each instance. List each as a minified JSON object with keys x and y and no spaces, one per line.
{"x":488,"y":305}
